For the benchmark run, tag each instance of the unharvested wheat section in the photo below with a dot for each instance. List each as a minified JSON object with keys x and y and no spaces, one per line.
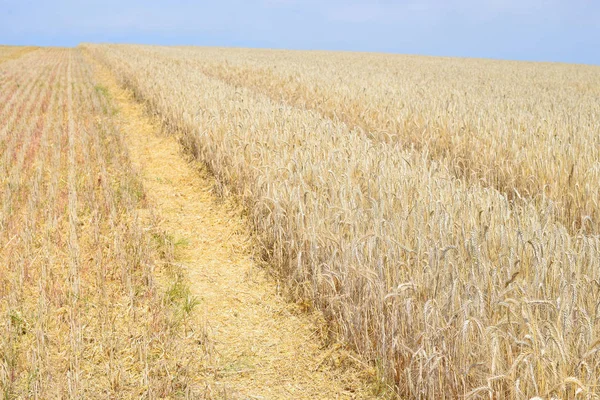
{"x":441,"y":213}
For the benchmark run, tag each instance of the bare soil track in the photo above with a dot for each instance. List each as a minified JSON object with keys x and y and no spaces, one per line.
{"x":264,"y":347}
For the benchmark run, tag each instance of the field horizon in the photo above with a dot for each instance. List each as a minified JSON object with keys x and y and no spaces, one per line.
{"x":306,"y":49}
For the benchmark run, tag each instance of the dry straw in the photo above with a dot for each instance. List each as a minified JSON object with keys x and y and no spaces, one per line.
{"x":417,"y":254}
{"x":529,"y":130}
{"x":80,"y":313}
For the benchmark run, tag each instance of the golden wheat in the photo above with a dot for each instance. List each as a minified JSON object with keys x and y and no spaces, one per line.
{"x":13,"y":52}
{"x":452,"y":288}
{"x":80,"y":313}
{"x":526,"y":129}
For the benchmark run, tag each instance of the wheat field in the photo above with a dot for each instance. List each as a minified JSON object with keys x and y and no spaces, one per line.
{"x":82,"y":313}
{"x":441,"y":213}
{"x":13,"y":52}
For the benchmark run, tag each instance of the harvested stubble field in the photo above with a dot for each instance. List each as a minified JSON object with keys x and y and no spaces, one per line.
{"x":82,"y":314}
{"x":14,"y":52}
{"x":441,"y":213}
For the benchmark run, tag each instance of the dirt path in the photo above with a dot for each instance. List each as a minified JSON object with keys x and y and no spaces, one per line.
{"x":264,"y":348}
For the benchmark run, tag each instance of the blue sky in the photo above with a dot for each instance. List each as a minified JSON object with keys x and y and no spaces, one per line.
{"x":539,"y":30}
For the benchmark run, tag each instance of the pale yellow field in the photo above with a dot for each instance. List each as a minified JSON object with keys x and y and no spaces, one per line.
{"x":82,"y":314}
{"x":529,"y":130}
{"x":122,"y":275}
{"x":13,"y":52}
{"x":442,"y":213}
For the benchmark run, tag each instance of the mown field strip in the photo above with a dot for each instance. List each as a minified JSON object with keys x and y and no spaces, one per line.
{"x":264,"y":347}
{"x":81,"y":315}
{"x":32,"y":84}
{"x":8,"y":53}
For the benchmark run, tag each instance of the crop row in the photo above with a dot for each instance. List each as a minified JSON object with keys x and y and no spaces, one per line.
{"x":452,"y":288}
{"x":80,"y":314}
{"x":528,"y":130}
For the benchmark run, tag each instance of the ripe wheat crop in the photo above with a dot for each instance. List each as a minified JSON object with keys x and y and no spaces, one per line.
{"x":421,"y":204}
{"x":81,"y":315}
{"x":528,"y":130}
